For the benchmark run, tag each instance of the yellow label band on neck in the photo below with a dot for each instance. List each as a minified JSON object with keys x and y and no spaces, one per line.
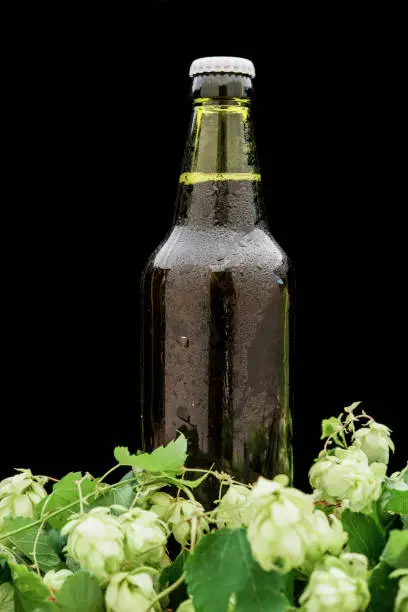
{"x":190,"y":178}
{"x":237,"y":101}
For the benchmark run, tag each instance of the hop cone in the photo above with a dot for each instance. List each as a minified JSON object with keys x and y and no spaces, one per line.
{"x":401,"y":600}
{"x":19,"y":494}
{"x":96,"y":541}
{"x":134,"y":590}
{"x":375,"y":442}
{"x":145,"y":537}
{"x":335,"y":584}
{"x":230,"y":511}
{"x":346,"y":476}
{"x":55,"y":579}
{"x":323,"y":535}
{"x":186,"y":519}
{"x":278,"y":532}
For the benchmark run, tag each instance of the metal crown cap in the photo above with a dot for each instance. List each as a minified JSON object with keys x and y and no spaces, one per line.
{"x":222,"y":64}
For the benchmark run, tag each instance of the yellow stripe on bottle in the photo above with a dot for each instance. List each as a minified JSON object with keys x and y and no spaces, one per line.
{"x":190,"y":178}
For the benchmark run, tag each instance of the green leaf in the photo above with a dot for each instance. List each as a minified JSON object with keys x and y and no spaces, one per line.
{"x":364,"y":535}
{"x":222,"y":564}
{"x":329,"y":427}
{"x":65,"y":492}
{"x":4,"y":570}
{"x":165,"y":459}
{"x":395,"y":496}
{"x":382,"y":588}
{"x":121,"y":496}
{"x":31,"y":595}
{"x":395,"y":552}
{"x":172,"y":573}
{"x":7,"y":597}
{"x":24,"y":541}
{"x":82,"y":592}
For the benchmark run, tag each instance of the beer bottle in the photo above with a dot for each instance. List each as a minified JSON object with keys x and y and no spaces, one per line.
{"x":216,"y":296}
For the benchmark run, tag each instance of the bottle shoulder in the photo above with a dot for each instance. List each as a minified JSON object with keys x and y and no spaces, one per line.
{"x":219,"y":248}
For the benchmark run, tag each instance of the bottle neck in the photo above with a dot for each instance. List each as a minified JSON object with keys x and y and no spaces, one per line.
{"x":220,"y":179}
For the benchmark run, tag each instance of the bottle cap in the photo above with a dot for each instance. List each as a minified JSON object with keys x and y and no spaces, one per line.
{"x":222,"y":64}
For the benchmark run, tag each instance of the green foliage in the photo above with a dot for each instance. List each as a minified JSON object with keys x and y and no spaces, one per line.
{"x":81,"y":591}
{"x":395,"y":552}
{"x":32,"y":540}
{"x":168,"y":460}
{"x":226,"y":553}
{"x":212,"y":567}
{"x":365,"y":536}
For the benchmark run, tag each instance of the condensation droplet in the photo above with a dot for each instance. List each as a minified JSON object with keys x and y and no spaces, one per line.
{"x":183,"y":341}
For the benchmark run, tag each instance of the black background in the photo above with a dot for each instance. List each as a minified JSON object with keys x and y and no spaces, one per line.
{"x":98,"y":110}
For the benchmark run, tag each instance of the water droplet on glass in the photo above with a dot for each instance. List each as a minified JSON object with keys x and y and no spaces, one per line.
{"x":242,"y":243}
{"x":220,"y":257}
{"x":183,"y":341}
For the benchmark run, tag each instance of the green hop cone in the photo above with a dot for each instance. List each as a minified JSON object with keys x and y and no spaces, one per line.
{"x":145,"y":537}
{"x":161,"y":504}
{"x":401,"y":600}
{"x":346,"y":476}
{"x":332,"y":586}
{"x":54,"y":579}
{"x":186,"y":521}
{"x":96,"y":541}
{"x":375,"y":442}
{"x":230,"y":510}
{"x":323,"y":535}
{"x":7,"y":597}
{"x":277,"y":530}
{"x":20,"y":494}
{"x":134,"y":590}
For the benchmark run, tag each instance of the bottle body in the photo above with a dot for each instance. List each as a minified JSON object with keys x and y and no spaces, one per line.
{"x":216,"y":311}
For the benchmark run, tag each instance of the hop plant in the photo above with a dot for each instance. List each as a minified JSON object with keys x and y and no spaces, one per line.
{"x":134,"y":590}
{"x":401,"y":600}
{"x":277,"y":529}
{"x":323,"y":535}
{"x":96,"y":541}
{"x":346,"y":476}
{"x":161,"y":504}
{"x":230,"y":510}
{"x":145,"y":537}
{"x":336,"y":584}
{"x":55,"y":579}
{"x":19,"y":494}
{"x":186,"y":521}
{"x":375,"y":442}
{"x":7,"y":597}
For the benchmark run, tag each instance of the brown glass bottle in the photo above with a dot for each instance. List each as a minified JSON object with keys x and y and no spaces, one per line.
{"x":216,"y":313}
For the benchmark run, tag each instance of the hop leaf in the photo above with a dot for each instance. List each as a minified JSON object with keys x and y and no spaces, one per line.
{"x":7,"y":597}
{"x":168,"y":460}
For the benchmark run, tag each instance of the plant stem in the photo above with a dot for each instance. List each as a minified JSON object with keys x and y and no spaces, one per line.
{"x":4,"y":536}
{"x":167,"y":591}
